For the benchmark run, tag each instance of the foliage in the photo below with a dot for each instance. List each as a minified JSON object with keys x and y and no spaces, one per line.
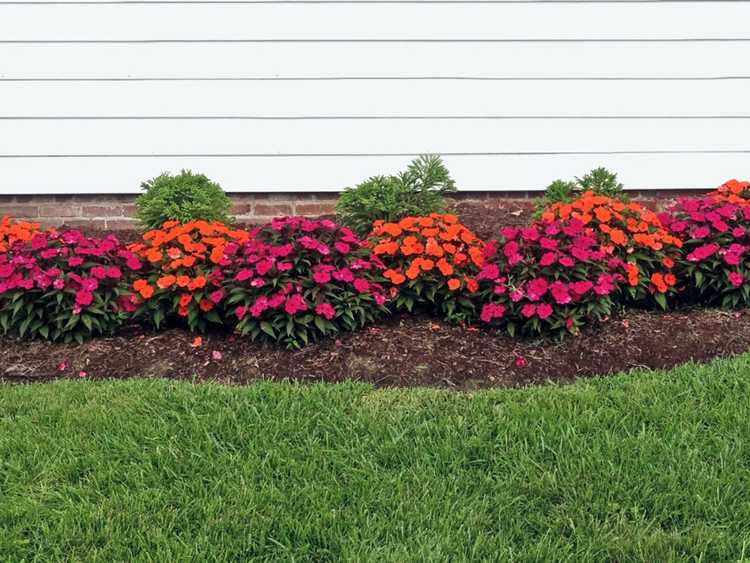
{"x":184,"y":198}
{"x":60,"y":286}
{"x":633,"y":234}
{"x":549,"y":277}
{"x":420,"y":190}
{"x":431,"y":263}
{"x":184,"y":271}
{"x":298,"y":280}
{"x":599,"y":181}
{"x":733,"y":191}
{"x":715,"y":262}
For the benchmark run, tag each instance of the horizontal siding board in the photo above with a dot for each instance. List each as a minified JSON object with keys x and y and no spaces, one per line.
{"x":331,"y":174}
{"x":320,"y":60}
{"x":382,"y":136}
{"x":518,"y":21}
{"x":384,"y":98}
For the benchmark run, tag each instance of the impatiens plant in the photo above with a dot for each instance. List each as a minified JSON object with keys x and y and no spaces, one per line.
{"x":431,"y":262}
{"x":12,"y":231}
{"x":62,"y":286}
{"x":733,"y":191}
{"x":632,"y":233}
{"x":181,"y":270}
{"x":298,"y":280}
{"x":550,"y":277}
{"x":715,"y":263}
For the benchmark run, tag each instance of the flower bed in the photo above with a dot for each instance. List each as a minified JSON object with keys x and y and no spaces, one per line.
{"x":297,"y":280}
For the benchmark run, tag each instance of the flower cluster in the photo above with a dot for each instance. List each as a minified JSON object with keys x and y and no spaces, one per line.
{"x":715,"y":263}
{"x":298,"y":279}
{"x":550,"y":276}
{"x":733,"y":191}
{"x":182,"y":270}
{"x":430,"y":261}
{"x":632,"y":233}
{"x":61,"y":285}
{"x":12,"y":231}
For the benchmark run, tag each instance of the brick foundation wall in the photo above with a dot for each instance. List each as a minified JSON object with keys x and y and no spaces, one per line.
{"x":116,"y":212}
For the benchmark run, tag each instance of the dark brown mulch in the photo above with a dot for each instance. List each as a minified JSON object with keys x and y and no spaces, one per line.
{"x":486,"y":217}
{"x":402,"y":351}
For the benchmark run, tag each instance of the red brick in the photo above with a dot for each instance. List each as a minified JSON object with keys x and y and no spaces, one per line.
{"x":241,"y":209}
{"x":21,"y":212}
{"x":317,"y":208}
{"x":59,"y":211}
{"x":274,"y":209}
{"x":101,"y":211}
{"x":121,"y":224}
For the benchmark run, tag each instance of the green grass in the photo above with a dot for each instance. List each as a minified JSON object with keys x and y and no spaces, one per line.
{"x":651,"y":466}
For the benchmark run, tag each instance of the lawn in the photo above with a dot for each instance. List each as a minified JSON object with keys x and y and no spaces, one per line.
{"x":647,"y":466}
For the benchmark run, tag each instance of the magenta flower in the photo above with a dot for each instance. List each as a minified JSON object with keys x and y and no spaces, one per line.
{"x":325,"y":310}
{"x":544,"y":310}
{"x":84,"y":298}
{"x":736,"y":279}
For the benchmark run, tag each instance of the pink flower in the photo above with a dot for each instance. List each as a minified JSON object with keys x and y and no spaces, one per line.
{"x":114,"y":273}
{"x":560,"y":293}
{"x":530,"y":234}
{"x":84,"y":298}
{"x":263,"y":267}
{"x":343,"y":275}
{"x":325,"y":310}
{"x":379,"y":298}
{"x":736,"y":279}
{"x":567,"y":261}
{"x":536,"y":288}
{"x":89,"y":284}
{"x":216,"y":356}
{"x":58,"y":284}
{"x":296,"y":303}
{"x":509,"y":233}
{"x":38,"y":241}
{"x":216,"y":296}
{"x":520,"y":361}
{"x":99,"y":272}
{"x":489,"y":272}
{"x":491,"y":311}
{"x":257,"y":282}
{"x":528,"y":310}
{"x":544,"y":310}
{"x":516,"y":295}
{"x":342,"y":247}
{"x":321,"y":277}
{"x":75,"y":261}
{"x":244,"y":275}
{"x":548,"y":258}
{"x":133,"y":263}
{"x":361,"y":285}
{"x":701,"y":232}
{"x":260,"y":305}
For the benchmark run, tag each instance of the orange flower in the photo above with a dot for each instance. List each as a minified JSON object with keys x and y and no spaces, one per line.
{"x":185,"y":299}
{"x":166,"y":281}
{"x":445,"y":268}
{"x":618,"y":237}
{"x":454,"y":284}
{"x":206,"y":305}
{"x":670,"y":279}
{"x":471,"y":285}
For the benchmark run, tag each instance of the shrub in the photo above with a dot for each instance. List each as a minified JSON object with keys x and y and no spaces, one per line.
{"x":420,"y":190}
{"x":184,"y":271}
{"x":549,"y":277}
{"x":431,"y":263}
{"x":298,"y":280}
{"x":635,"y":235}
{"x":599,"y":181}
{"x":715,"y":262}
{"x":61,"y":286}
{"x":184,"y":198}
{"x":733,"y":191}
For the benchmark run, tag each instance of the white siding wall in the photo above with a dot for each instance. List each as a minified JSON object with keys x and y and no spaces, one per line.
{"x":316,"y":95}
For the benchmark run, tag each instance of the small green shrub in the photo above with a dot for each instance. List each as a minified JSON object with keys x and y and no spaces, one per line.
{"x":185,"y":198}
{"x":599,"y":181}
{"x":418,"y":191}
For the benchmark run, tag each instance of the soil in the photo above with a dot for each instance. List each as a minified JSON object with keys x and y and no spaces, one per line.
{"x":401,"y":351}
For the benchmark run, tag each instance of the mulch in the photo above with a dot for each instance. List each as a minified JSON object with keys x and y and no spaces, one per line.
{"x":401,"y":351}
